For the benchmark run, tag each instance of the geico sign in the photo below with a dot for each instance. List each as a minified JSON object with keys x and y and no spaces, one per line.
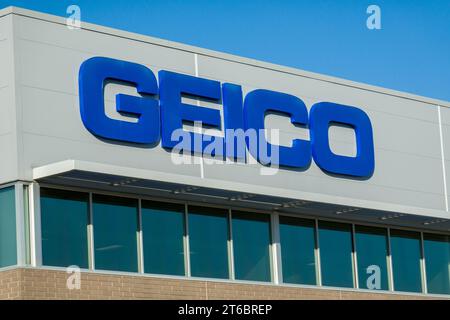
{"x":158,"y":119}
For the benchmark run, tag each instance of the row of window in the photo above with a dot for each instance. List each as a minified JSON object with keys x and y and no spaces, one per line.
{"x":235,"y":245}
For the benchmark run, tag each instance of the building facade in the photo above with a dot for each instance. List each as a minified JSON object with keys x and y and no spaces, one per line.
{"x":349,"y":202}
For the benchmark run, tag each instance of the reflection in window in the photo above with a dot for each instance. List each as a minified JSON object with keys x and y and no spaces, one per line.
{"x":115,"y":233}
{"x":297,"y":238}
{"x":437,"y":258}
{"x":335,"y":240}
{"x":251,"y":246}
{"x":371,"y":249}
{"x":64,"y":220}
{"x":208,"y":236}
{"x":8,"y":241}
{"x":405,"y":248}
{"x":163,"y":231}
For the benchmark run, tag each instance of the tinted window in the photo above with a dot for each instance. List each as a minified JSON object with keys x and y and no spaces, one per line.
{"x":163,"y":231}
{"x":437,"y":258}
{"x":335,"y":241}
{"x":405,"y":247}
{"x":297,"y":239}
{"x":64,"y":220}
{"x":115,"y":233}
{"x":371,"y":249}
{"x":208,"y":236}
{"x":8,"y":241}
{"x":251,"y":246}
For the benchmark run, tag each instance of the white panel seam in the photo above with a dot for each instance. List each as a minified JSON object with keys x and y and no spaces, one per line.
{"x":441,"y":137}
{"x":198,"y":129}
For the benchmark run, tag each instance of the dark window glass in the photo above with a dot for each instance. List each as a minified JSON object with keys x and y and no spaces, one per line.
{"x":115,"y":233}
{"x":251,"y":246}
{"x":437,"y":258}
{"x":372,"y":250}
{"x":208,"y":236}
{"x":64,"y":221}
{"x":8,"y":242}
{"x":335,"y":241}
{"x":405,"y":247}
{"x":297,"y":239}
{"x":163,"y":231}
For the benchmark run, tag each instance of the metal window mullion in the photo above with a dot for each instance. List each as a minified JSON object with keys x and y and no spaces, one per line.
{"x":317,"y":253}
{"x":354,"y":259}
{"x":140,"y":239}
{"x":187,"y":255}
{"x":275,"y":260}
{"x":423,"y":268}
{"x":230,"y":247}
{"x":389,"y":262}
{"x":26,"y":219}
{"x":20,"y":224}
{"x":90,"y":231}
{"x":35,"y":225}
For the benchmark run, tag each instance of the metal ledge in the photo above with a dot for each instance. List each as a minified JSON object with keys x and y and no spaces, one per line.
{"x":139,"y":182}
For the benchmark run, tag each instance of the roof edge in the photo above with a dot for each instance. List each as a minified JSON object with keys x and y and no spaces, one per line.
{"x":220,"y":55}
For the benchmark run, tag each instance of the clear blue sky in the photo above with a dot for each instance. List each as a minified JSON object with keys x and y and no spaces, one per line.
{"x":410,"y":53}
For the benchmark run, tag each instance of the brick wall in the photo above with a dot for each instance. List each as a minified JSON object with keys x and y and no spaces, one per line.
{"x":10,"y":282}
{"x":50,"y":284}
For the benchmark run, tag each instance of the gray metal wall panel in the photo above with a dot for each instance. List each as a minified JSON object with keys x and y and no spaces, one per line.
{"x":8,"y":132}
{"x":49,"y":58}
{"x":305,"y":87}
{"x":406,"y":131}
{"x":406,"y":137}
{"x":85,"y":42}
{"x":7,"y":115}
